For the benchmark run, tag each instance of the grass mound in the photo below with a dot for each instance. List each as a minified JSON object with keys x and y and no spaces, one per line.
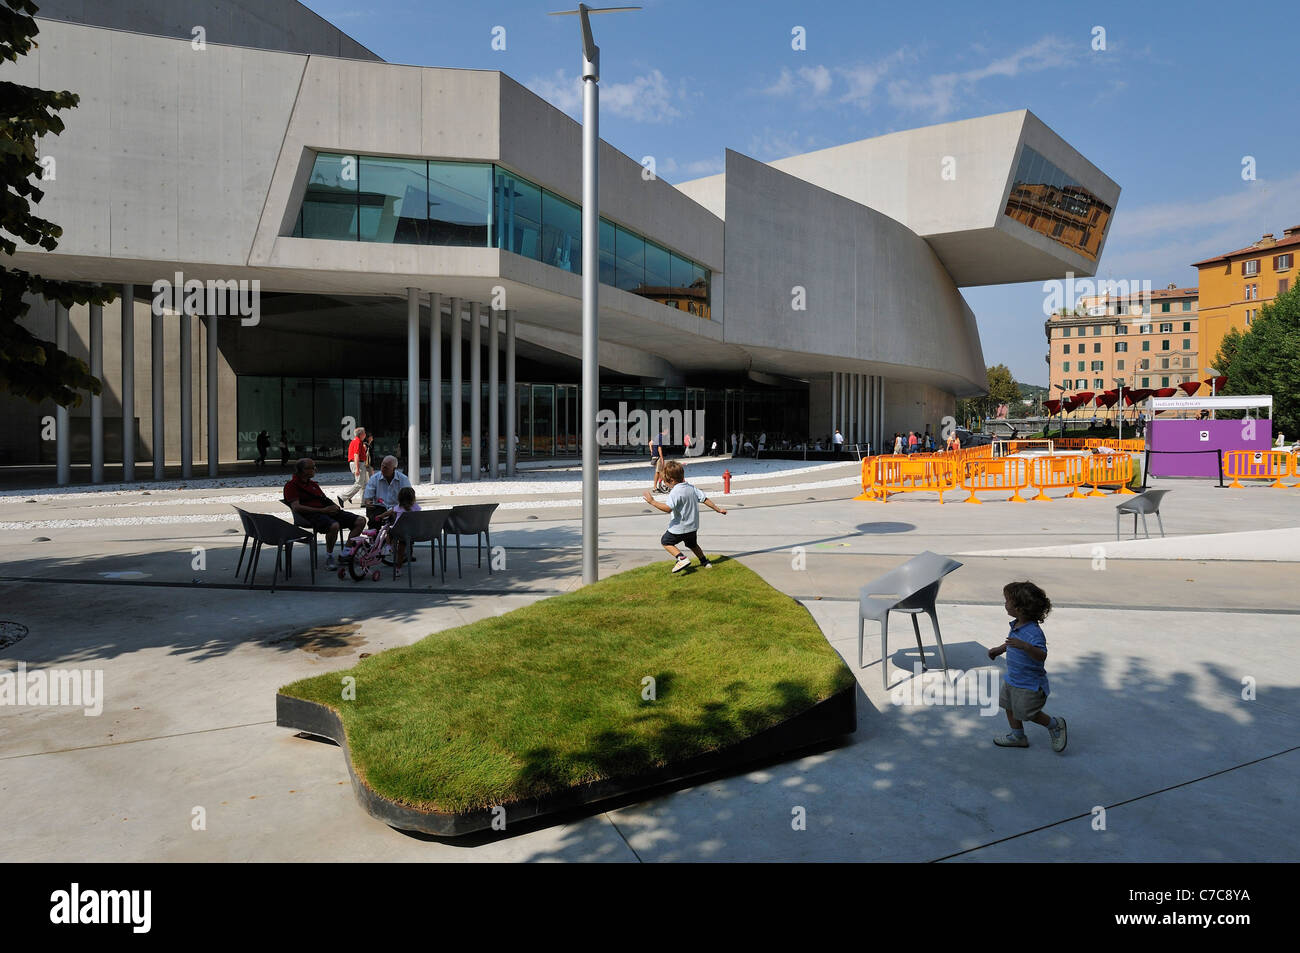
{"x":551,"y":696}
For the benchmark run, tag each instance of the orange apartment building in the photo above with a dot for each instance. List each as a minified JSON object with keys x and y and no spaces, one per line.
{"x":1234,"y":286}
{"x":1149,"y":340}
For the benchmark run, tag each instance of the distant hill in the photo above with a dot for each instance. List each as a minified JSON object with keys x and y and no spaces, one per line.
{"x":1031,"y":391}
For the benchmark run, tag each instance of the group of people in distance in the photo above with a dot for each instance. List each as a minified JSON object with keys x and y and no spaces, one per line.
{"x":922,"y":443}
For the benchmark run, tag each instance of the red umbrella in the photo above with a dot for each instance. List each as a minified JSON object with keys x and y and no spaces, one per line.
{"x":1165,"y":392}
{"x":1218,"y":382}
{"x":1136,"y":396}
{"x":1190,"y":387}
{"x":1107,"y":400}
{"x":1052,"y":406}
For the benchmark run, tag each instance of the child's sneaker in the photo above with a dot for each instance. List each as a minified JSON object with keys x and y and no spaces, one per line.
{"x":681,"y":563}
{"x":1059,"y":735}
{"x":1011,"y":740}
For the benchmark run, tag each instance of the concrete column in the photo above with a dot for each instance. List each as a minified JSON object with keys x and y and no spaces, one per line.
{"x":457,"y":305}
{"x":512,"y":403}
{"x":128,"y":383}
{"x":855,"y":422}
{"x":413,"y":385}
{"x":435,"y":387}
{"x":862,"y":409}
{"x":214,"y":399}
{"x":835,"y":397}
{"x":187,"y":396}
{"x":96,"y":401}
{"x":494,"y":396}
{"x":158,"y":431}
{"x":62,"y":424}
{"x":475,"y":389}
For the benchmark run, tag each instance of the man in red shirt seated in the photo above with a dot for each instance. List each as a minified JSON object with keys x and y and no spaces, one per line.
{"x":313,"y":509}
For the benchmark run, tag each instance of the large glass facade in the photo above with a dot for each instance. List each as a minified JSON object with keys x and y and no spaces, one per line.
{"x":311,"y":412}
{"x":427,"y":202}
{"x":1052,"y":203}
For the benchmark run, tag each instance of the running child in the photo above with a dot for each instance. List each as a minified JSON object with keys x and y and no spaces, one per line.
{"x":1025,"y":689}
{"x":684,"y":504}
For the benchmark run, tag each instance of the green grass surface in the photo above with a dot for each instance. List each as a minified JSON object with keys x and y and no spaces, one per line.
{"x":550,"y":695}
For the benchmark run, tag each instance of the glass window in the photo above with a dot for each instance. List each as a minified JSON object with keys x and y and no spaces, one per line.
{"x":1146,"y":382}
{"x":1065,"y":332}
{"x":629,"y":252}
{"x":519,"y":215}
{"x":1187,"y":325}
{"x":1166,"y":328}
{"x":1122,"y":329}
{"x":1164,"y":345}
{"x":608,"y":264}
{"x":394,"y":200}
{"x":327,"y":425}
{"x":1164,"y":306}
{"x":258,"y":409}
{"x":329,"y":206}
{"x":460,"y":203}
{"x":1066,"y":367}
{"x":561,"y":233}
{"x":1119,"y":365}
{"x":1121,"y":346}
{"x":1164,"y":382}
{"x":657,"y":268}
{"x":1096,"y":348}
{"x":1146,"y":345}
{"x":1187,"y":306}
{"x":1067,"y":349}
{"x":1096,"y":330}
{"x":1187,"y":344}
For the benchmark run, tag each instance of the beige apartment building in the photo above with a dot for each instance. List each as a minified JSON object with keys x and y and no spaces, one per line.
{"x":1150,"y":340}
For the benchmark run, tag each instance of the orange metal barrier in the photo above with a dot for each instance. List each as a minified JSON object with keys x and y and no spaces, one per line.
{"x":1057,"y":473}
{"x":1131,"y":445}
{"x":1004,"y":473}
{"x":1104,"y":469}
{"x":1069,"y":443}
{"x":1258,"y":465}
{"x":908,"y":474}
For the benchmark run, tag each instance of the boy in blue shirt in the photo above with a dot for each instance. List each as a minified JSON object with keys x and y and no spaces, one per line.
{"x":684,"y":504}
{"x":1025,"y":689}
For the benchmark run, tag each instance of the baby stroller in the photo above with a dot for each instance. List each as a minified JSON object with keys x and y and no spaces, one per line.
{"x":369,"y":550}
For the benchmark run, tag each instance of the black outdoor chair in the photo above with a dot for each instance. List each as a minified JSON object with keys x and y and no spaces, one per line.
{"x":272,"y":531}
{"x":912,"y":588}
{"x":299,"y":522}
{"x":250,"y":532}
{"x":471,"y":520}
{"x":423,"y":526}
{"x":1141,"y":505}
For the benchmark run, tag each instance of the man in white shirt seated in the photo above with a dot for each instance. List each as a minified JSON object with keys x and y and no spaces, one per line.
{"x":383,"y":487}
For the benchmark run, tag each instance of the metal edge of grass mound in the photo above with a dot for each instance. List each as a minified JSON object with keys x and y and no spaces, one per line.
{"x":828,"y":719}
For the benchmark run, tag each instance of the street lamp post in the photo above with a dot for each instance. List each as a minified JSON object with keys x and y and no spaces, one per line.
{"x":1061,"y":388}
{"x":590,"y":285}
{"x":1214,"y":387}
{"x":1120,"y":404}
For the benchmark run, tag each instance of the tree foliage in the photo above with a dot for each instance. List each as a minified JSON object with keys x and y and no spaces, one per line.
{"x":31,"y":367}
{"x":1266,"y":359}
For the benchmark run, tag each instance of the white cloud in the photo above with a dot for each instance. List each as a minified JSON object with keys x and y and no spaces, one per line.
{"x":646,"y":98}
{"x":695,"y":169}
{"x":862,"y":80}
{"x":939,"y":94}
{"x":813,"y":80}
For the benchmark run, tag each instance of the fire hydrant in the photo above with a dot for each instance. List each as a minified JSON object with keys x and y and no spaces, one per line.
{"x":726,"y":481}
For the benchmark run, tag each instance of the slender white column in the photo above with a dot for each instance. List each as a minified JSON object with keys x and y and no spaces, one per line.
{"x":435,"y":387}
{"x":187,"y":396}
{"x":158,"y":431}
{"x":494,"y":395}
{"x":590,"y":310}
{"x":97,"y":401}
{"x":62,"y":426}
{"x":835,"y":402}
{"x":128,"y":383}
{"x":512,"y":402}
{"x":413,"y":385}
{"x":862,"y":409}
{"x":457,"y":305}
{"x":214,"y":398}
{"x":475,"y":389}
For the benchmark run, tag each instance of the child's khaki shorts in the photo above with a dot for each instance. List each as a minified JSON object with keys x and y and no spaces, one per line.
{"x":1023,"y":703}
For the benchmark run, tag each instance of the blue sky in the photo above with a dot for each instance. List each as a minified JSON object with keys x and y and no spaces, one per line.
{"x":1182,"y":93}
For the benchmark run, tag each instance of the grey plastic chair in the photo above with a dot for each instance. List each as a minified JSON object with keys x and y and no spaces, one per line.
{"x":273,"y":531}
{"x":299,"y":522}
{"x":912,"y":588}
{"x":1141,"y":505}
{"x":471,"y":520}
{"x":425,"y":526}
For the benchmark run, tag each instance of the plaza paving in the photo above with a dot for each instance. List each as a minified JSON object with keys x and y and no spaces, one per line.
{"x":1150,"y":644}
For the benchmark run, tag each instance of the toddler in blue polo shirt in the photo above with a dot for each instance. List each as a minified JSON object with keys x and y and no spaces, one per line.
{"x":1025,"y":689}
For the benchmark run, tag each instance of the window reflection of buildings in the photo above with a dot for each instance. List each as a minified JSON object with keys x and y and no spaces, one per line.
{"x":1052,"y":203}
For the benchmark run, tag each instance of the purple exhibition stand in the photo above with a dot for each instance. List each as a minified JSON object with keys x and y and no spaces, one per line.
{"x":1187,"y":435}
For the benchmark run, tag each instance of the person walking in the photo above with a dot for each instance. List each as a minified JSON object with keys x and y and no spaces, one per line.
{"x":263,"y":445}
{"x":284,"y":448}
{"x":839,"y":441}
{"x":358,"y":463}
{"x":898,"y":443}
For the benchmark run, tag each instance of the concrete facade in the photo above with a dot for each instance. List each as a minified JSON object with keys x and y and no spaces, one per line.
{"x":196,"y":161}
